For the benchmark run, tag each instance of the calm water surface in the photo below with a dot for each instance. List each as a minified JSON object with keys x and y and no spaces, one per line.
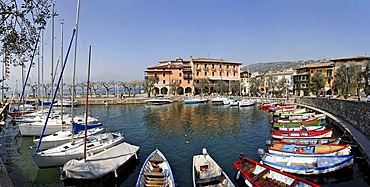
{"x":179,"y":131}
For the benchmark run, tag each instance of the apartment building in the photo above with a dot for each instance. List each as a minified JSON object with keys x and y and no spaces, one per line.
{"x":183,"y":77}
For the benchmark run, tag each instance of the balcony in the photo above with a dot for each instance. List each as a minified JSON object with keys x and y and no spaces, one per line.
{"x":188,"y":77}
{"x":214,"y":69}
{"x":205,"y":69}
{"x":198,"y":68}
{"x":187,"y":69}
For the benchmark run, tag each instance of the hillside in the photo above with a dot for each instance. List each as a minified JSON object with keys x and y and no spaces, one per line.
{"x":273,"y":66}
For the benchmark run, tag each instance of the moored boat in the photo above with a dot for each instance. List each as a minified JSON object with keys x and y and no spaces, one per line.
{"x":297,"y":123}
{"x":206,"y":172}
{"x":257,"y":174}
{"x":285,"y":148}
{"x":158,"y":101}
{"x":101,"y":164}
{"x":312,"y":140}
{"x":300,"y":128}
{"x":195,"y":101}
{"x":156,"y":171}
{"x":302,"y":134}
{"x":307,"y":165}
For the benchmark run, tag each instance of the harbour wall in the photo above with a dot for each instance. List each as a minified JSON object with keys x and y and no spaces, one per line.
{"x":356,"y":113}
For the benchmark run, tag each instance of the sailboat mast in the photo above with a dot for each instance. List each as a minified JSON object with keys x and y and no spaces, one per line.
{"x":61,"y":60}
{"x":74,"y":64}
{"x":87,"y":100}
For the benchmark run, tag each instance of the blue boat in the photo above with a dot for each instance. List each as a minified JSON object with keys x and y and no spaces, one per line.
{"x":45,"y":103}
{"x":195,"y":101}
{"x":307,"y":165}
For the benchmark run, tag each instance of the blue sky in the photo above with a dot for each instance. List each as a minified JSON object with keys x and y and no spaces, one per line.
{"x":127,"y":36}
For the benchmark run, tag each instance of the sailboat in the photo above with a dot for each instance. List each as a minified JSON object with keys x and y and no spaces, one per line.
{"x":94,"y":166}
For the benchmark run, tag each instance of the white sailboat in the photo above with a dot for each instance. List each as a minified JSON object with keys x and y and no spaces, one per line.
{"x":94,"y":166}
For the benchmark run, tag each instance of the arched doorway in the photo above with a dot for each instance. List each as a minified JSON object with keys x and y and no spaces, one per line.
{"x":155,"y":91}
{"x":164,"y":91}
{"x":180,"y":90}
{"x":188,"y":91}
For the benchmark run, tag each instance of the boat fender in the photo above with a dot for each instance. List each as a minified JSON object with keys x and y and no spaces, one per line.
{"x":237,"y":175}
{"x":268,"y":143}
{"x":136,"y":156}
{"x":115,"y":173}
{"x":261,"y":152}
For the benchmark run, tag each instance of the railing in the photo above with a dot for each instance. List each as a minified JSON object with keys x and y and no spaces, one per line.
{"x":188,"y":76}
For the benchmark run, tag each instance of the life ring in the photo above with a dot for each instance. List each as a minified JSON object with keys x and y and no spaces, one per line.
{"x":300,"y":150}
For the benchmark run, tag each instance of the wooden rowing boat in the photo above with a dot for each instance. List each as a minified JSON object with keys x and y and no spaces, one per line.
{"x":256,"y":174}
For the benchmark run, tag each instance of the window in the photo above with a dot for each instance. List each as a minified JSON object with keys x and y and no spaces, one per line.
{"x":213,"y":65}
{"x":205,"y":73}
{"x":220,"y":65}
{"x":319,"y":71}
{"x":311,"y":71}
{"x":205,"y":65}
{"x":220,"y":73}
{"x":164,"y":74}
{"x":198,"y":73}
{"x":188,"y":81}
{"x":227,"y":66}
{"x":227,"y":74}
{"x":180,"y":74}
{"x":180,"y":81}
{"x":329,"y":80}
{"x":213,"y":73}
{"x":164,"y":81}
{"x":234,"y":74}
{"x":329,"y":72}
{"x":197,"y":66}
{"x":155,"y":74}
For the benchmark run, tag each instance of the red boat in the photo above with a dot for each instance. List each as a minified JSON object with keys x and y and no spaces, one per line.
{"x":19,"y":114}
{"x":275,"y":108}
{"x":266,"y":106}
{"x":257,"y":174}
{"x":302,"y":134}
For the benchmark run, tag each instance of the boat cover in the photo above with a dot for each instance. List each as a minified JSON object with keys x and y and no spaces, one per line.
{"x":100,"y":164}
{"x":80,"y":127}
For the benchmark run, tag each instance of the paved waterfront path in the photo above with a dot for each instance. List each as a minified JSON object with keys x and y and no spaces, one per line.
{"x":357,"y":135}
{"x":4,"y":177}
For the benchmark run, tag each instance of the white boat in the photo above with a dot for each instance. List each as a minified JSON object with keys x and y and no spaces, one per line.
{"x":66,"y":103}
{"x":157,"y":101}
{"x":234,"y":103}
{"x":246,"y":103}
{"x":307,"y":165}
{"x":206,"y":172}
{"x":101,"y":164}
{"x":57,"y":156}
{"x":65,"y":136}
{"x":156,"y":171}
{"x":53,"y":126}
{"x":219,"y":100}
{"x":300,"y":128}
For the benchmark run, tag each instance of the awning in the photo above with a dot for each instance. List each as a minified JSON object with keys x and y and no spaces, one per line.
{"x":217,"y":78}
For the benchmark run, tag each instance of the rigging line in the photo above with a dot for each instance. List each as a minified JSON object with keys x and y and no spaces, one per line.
{"x":95,"y":53}
{"x":55,"y":92}
{"x":29,"y":70}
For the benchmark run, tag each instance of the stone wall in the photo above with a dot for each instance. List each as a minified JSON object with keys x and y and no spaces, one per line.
{"x":355,"y":112}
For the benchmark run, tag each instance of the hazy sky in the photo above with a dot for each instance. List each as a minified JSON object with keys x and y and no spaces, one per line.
{"x":127,"y":36}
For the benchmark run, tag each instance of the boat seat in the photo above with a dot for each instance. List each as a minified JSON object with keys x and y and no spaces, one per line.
{"x":154,"y":174}
{"x":211,"y":179}
{"x":294,"y":183}
{"x":260,"y":174}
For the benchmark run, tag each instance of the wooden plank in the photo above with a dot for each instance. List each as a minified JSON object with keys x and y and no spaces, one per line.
{"x":255,"y":178}
{"x":154,"y":174}
{"x":211,"y":179}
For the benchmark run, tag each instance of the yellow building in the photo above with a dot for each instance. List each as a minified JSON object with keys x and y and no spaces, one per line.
{"x":179,"y":77}
{"x":303,"y":76}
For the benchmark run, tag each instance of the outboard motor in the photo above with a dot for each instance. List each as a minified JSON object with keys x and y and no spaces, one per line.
{"x":268,"y":143}
{"x":261,"y":152}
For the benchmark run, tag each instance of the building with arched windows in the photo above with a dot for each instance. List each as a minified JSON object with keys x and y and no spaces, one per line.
{"x":195,"y":76}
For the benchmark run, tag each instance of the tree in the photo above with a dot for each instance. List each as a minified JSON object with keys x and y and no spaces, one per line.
{"x":174,"y":85}
{"x":95,"y":86}
{"x":221,"y":87}
{"x":201,"y":84}
{"x":82,"y":85}
{"x":317,"y":83}
{"x":149,"y":84}
{"x":20,"y":25}
{"x":107,"y":86}
{"x":134,"y":84}
{"x":282,"y":86}
{"x":235,"y":87}
{"x":255,"y":84}
{"x":347,"y":79}
{"x":365,"y":74}
{"x":33,"y":88}
{"x":271,"y":84}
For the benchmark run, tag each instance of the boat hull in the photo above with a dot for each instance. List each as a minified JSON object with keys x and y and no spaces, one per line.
{"x":312,"y":165}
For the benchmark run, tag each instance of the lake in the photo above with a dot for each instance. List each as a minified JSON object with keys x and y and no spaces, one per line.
{"x":179,"y":131}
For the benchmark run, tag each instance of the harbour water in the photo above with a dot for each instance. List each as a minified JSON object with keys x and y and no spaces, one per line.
{"x":179,"y":131}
